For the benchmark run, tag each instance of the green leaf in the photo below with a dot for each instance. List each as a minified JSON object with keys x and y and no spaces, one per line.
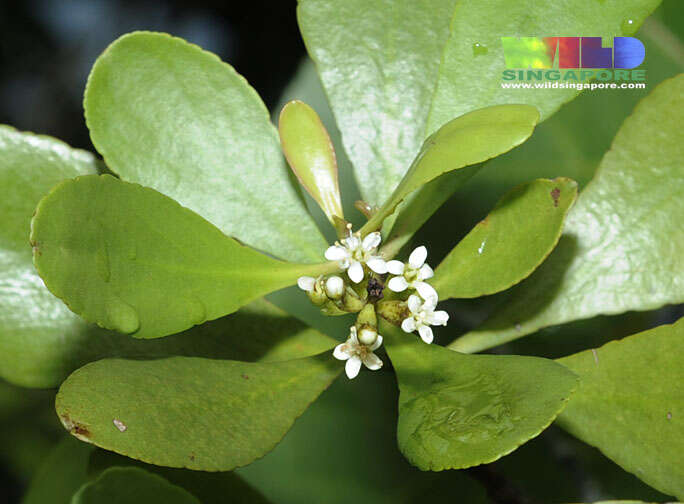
{"x":131,"y":485}
{"x":61,"y":474}
{"x":168,"y":115}
{"x":133,"y":260}
{"x":630,"y":406}
{"x":467,"y":140}
{"x":208,"y":487}
{"x":617,"y":250}
{"x":396,"y":71}
{"x":311,"y":155}
{"x":470,"y":73}
{"x":203,"y":414}
{"x":458,"y":411}
{"x":32,"y":321}
{"x":378,"y":61}
{"x":509,"y":244}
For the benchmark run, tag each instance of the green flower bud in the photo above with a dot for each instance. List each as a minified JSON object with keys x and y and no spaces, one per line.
{"x":393,"y":311}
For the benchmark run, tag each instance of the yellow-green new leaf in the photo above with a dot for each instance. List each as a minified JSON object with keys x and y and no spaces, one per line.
{"x":311,"y":155}
{"x":131,"y":485}
{"x":622,"y":242}
{"x":168,"y":115}
{"x":467,"y":140}
{"x":509,"y":244}
{"x":458,"y":411}
{"x":630,"y":404}
{"x":133,"y":260}
{"x":203,"y":414}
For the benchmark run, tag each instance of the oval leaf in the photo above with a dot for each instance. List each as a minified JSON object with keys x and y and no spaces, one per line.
{"x":168,"y":115}
{"x":131,"y":259}
{"x":131,"y":485}
{"x":311,"y":155}
{"x":630,"y":404}
{"x":509,"y":244}
{"x":458,"y":411}
{"x":203,"y":414}
{"x":617,"y":252}
{"x":467,"y":140}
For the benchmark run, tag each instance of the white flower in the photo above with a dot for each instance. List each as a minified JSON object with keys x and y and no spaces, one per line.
{"x":355,"y":354}
{"x":423,"y":315}
{"x":352,"y":253}
{"x":334,"y":287}
{"x":306,"y":283}
{"x":412,"y":275}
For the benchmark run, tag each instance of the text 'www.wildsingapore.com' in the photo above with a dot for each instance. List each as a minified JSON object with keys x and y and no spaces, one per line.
{"x":580,"y":63}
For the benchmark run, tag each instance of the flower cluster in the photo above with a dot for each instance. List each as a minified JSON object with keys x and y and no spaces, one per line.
{"x":410,"y":304}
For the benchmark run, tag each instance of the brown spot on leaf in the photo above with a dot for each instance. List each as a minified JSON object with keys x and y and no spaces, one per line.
{"x":485,"y":222}
{"x":244,"y":376}
{"x":77,"y":429}
{"x":192,"y":456}
{"x":669,"y":415}
{"x":555,"y":194}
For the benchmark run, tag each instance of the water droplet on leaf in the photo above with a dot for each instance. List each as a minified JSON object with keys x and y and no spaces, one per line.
{"x":628,"y":26}
{"x":479,"y":49}
{"x":121,"y":316}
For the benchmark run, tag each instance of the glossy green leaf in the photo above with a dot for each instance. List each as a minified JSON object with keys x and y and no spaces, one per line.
{"x":61,"y":474}
{"x":378,"y":60}
{"x":135,"y":261}
{"x":630,"y":405}
{"x":42,"y":341}
{"x":311,"y":155}
{"x":618,"y":250}
{"x":470,"y":74}
{"x":458,"y":411}
{"x":509,"y":244}
{"x":131,"y":485}
{"x":467,"y":140}
{"x":32,"y":321}
{"x":168,"y":115}
{"x":203,"y":414}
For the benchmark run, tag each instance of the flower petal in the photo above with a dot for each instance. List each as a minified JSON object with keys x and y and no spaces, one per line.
{"x":372,"y":361}
{"x":377,"y":264}
{"x":336,"y":253}
{"x":425,"y":272}
{"x":371,"y":241}
{"x":417,"y":257}
{"x":352,"y":243}
{"x":353,"y":338}
{"x":408,"y":325}
{"x":355,"y":272}
{"x":395,"y":267}
{"x":352,"y":367}
{"x":397,"y":284}
{"x":427,"y":292}
{"x":306,"y":283}
{"x":341,"y":352}
{"x":438,"y":318}
{"x":414,"y":303}
{"x":425,"y":334}
{"x":377,"y":343}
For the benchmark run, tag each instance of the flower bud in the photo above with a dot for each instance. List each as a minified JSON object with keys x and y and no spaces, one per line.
{"x":393,"y":311}
{"x":334,"y":287}
{"x":317,"y":293}
{"x":367,"y":335}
